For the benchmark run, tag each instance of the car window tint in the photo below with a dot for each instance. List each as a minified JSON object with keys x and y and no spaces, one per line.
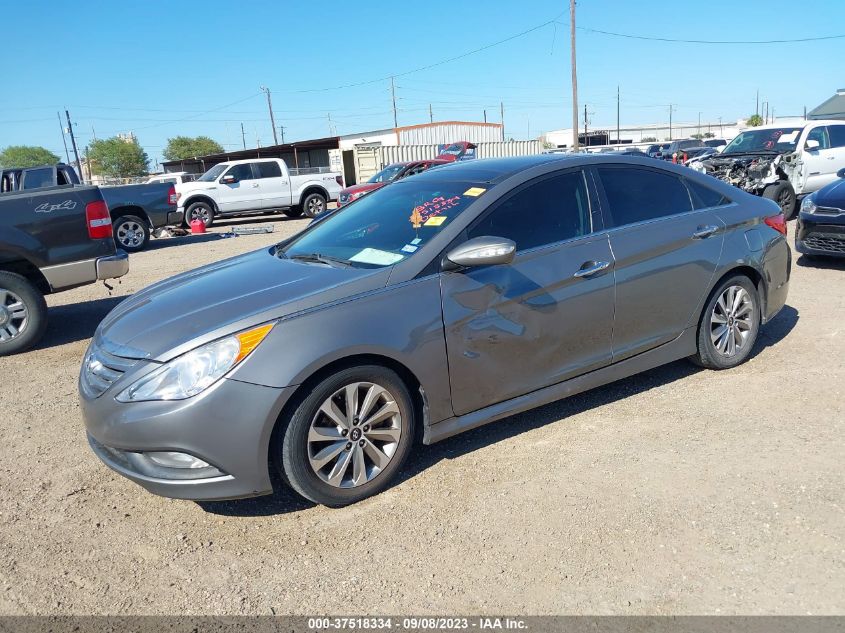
{"x":635,"y":194}
{"x":37,"y":178}
{"x":819,"y":134}
{"x":704,"y":197}
{"x":241,"y":172}
{"x":545,"y":212}
{"x":837,"y":135}
{"x":269,"y":170}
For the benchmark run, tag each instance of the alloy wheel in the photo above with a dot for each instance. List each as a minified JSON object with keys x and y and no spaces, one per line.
{"x":315,"y":205}
{"x":130,"y":234}
{"x":731,"y":321}
{"x":201,"y":213}
{"x":354,"y":435}
{"x":14,"y":315}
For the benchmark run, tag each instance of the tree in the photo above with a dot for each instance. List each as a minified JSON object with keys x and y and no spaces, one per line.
{"x":649,"y":139}
{"x":181,"y":147}
{"x":709,"y":135}
{"x":697,"y":136}
{"x":118,"y":158}
{"x":754,"y":120}
{"x":27,"y":156}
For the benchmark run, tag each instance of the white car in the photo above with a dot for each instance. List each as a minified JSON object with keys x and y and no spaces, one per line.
{"x":259,"y":185}
{"x":174,"y":178}
{"x":781,"y":162}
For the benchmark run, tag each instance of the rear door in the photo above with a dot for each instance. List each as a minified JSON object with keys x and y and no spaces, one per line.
{"x":545,"y":317}
{"x":274,"y":184}
{"x":666,"y":254}
{"x":242,"y":195}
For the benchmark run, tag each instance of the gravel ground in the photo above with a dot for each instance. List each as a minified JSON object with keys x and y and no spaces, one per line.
{"x":676,"y":491}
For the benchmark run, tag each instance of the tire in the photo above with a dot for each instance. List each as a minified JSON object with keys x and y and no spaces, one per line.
{"x":783,"y":193}
{"x":314,"y":204}
{"x":131,"y":233}
{"x":325,"y":470}
{"x":717,"y":351}
{"x":202,"y":210}
{"x":23,"y":314}
{"x":293,"y":212}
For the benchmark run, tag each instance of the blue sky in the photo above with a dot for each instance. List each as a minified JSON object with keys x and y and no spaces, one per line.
{"x":160,"y":69}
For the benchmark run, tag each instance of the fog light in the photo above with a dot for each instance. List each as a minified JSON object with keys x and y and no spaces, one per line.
{"x":173,"y":459}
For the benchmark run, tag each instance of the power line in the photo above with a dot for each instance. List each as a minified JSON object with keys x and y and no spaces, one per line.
{"x":683,"y":41}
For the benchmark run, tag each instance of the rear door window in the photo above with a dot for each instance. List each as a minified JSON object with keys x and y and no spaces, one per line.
{"x":705,"y":197}
{"x":637,"y":194}
{"x":837,"y":135}
{"x":268,"y":170}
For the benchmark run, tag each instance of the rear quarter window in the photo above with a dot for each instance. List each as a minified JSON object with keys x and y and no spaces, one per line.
{"x":705,"y":197}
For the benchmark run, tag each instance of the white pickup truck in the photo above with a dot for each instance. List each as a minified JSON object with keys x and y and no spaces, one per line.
{"x":260,"y":185}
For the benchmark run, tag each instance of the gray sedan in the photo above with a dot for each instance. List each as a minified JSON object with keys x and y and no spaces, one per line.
{"x":432,"y":306}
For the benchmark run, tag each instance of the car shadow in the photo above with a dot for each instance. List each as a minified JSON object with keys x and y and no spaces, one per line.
{"x":76,"y":321}
{"x":179,"y":240}
{"x":827,"y":263}
{"x":284,"y":500}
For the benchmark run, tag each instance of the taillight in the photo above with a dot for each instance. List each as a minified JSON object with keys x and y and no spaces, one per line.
{"x":98,"y":220}
{"x":777,"y":222}
{"x":172,"y":197}
{"x":339,"y":180}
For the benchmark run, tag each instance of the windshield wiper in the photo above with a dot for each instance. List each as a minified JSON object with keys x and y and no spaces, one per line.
{"x":323,"y":259}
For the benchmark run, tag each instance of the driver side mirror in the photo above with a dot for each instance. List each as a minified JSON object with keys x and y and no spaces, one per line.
{"x":480,"y":251}
{"x":228,"y":179}
{"x":811,"y":145}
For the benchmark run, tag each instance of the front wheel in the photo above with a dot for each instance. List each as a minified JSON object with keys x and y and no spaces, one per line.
{"x":199,"y":211}
{"x":348,"y":439}
{"x":131,"y":233}
{"x":783,"y":193}
{"x":729,"y":324}
{"x":23,"y":314}
{"x":314,"y":204}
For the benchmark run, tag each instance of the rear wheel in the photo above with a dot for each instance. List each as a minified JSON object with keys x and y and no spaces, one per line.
{"x":782,"y":193}
{"x":293,"y":212}
{"x":199,"y":211}
{"x":23,"y":314}
{"x":349,"y":437}
{"x":729,"y":324}
{"x":314,"y":204}
{"x":131,"y":233}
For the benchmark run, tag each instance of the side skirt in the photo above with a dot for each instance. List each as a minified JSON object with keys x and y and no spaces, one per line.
{"x":681,"y":347}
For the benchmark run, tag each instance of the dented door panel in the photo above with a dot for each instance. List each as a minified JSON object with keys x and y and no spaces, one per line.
{"x":517,"y":328}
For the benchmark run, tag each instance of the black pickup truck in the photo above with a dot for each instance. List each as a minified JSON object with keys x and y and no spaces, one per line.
{"x":136,"y":210}
{"x":51,"y":239}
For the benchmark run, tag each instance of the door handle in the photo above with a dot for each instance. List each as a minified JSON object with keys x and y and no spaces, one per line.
{"x":704,"y":232}
{"x":591,"y":268}
{"x":255,"y":184}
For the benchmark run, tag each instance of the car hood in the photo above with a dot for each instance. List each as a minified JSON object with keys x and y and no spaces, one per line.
{"x":367,"y":186}
{"x":189,"y":187}
{"x":833,"y":195}
{"x":180,"y":313}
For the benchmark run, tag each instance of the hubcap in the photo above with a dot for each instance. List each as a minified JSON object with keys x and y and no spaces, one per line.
{"x":14,"y":315}
{"x":354,"y":435}
{"x":731,"y":321}
{"x":130,"y":234}
{"x":200,"y":214}
{"x":315,"y":205}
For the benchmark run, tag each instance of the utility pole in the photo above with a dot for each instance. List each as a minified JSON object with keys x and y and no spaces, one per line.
{"x":721,"y":131}
{"x":329,"y":115}
{"x":617,"y":115}
{"x":282,"y":132}
{"x":73,"y":143}
{"x":485,"y":115}
{"x":670,"y":121}
{"x":585,"y":125}
{"x":243,"y":135}
{"x":699,"y":124}
{"x":767,"y":112}
{"x":574,"y":77}
{"x":757,"y":104}
{"x":88,"y":160}
{"x":502,"y":113}
{"x":272,"y":118}
{"x":430,"y":114}
{"x":393,"y":96}
{"x":805,"y":117}
{"x":93,"y":133}
{"x":67,"y":154}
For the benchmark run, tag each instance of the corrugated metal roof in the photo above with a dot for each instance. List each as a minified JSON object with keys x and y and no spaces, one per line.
{"x":449,"y":132}
{"x":833,"y":108}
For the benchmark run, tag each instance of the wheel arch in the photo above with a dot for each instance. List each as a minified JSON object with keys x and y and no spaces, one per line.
{"x":128,"y":209}
{"x":200,"y":198}
{"x":746,"y":270}
{"x":27,"y":269}
{"x":312,"y":188}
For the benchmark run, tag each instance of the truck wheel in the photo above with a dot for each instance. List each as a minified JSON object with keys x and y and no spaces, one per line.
{"x":314,"y":204}
{"x":23,"y":314}
{"x":782,"y":193}
{"x":293,"y":212}
{"x":131,"y":233}
{"x":199,"y":211}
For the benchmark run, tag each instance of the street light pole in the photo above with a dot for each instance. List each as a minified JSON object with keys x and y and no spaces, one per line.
{"x":272,"y":118}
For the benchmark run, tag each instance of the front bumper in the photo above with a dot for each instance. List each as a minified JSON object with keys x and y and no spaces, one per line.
{"x":817,"y":234}
{"x":228,"y":426}
{"x":113,"y":266}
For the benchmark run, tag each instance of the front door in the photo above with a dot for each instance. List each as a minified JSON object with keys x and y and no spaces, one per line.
{"x":242,"y":195}
{"x":819,"y":162}
{"x":667,"y":241}
{"x":547,"y":316}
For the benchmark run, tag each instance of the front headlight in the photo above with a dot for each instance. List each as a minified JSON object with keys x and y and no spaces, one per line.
{"x":808,"y":205}
{"x":356,"y":195}
{"x":195,"y":371}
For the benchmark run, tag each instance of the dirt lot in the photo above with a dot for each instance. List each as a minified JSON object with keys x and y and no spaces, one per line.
{"x":676,"y":491}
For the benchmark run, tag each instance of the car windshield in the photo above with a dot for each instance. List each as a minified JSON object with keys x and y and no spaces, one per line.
{"x":387,"y":174}
{"x":212,"y":173}
{"x":784,"y":139}
{"x":386,"y":226}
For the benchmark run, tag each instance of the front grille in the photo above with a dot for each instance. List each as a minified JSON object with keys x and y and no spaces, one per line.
{"x":827,"y":242}
{"x":100,"y":370}
{"x":829,"y":211}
